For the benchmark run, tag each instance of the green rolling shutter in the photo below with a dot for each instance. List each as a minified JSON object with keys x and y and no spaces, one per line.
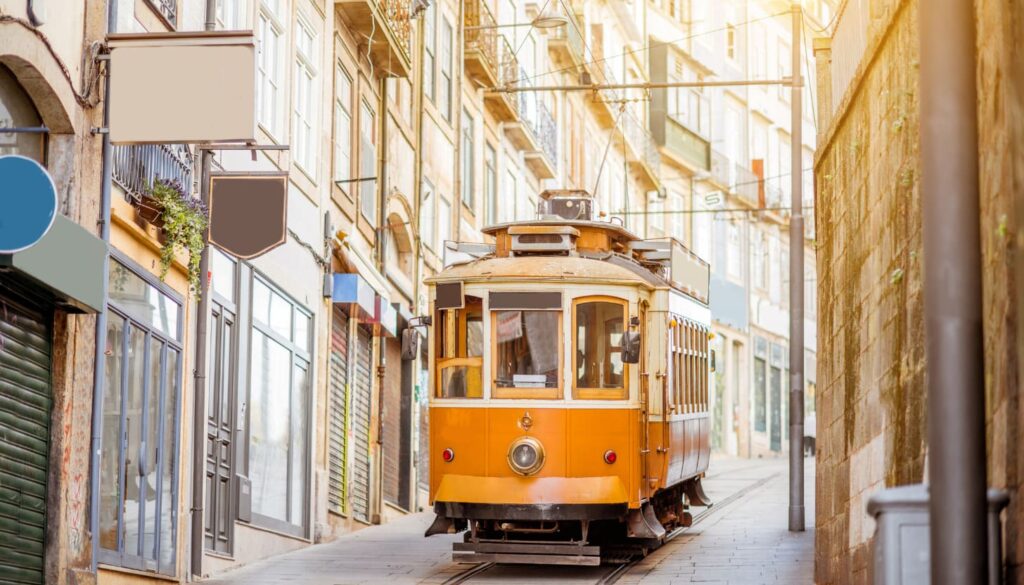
{"x":25,"y":403}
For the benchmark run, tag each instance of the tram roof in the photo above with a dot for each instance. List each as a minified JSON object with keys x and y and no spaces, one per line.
{"x":612,"y":270}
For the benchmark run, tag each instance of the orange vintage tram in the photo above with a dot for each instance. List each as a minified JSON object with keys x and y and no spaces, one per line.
{"x":570,"y":368}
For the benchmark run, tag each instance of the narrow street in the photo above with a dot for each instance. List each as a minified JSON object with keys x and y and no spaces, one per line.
{"x":741,"y":540}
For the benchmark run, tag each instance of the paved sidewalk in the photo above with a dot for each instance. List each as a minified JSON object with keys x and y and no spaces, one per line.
{"x":746,"y":542}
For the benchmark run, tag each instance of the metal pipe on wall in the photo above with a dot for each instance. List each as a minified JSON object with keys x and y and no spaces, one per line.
{"x":796,"y":288}
{"x":952,"y":293}
{"x":99,"y":365}
{"x":202,"y":321}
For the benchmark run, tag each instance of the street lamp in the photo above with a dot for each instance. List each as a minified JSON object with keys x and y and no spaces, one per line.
{"x":545,"y":21}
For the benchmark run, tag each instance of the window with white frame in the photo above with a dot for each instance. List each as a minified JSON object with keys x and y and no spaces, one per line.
{"x":701,"y":227}
{"x":656,"y":218}
{"x":774,"y":269}
{"x":784,"y":59}
{"x":231,"y":15}
{"x":430,"y":50}
{"x":758,"y":254}
{"x":508,"y":202}
{"x":427,"y":215}
{"x":304,"y":135}
{"x":444,"y":102}
{"x":367,"y":162}
{"x":733,"y":246}
{"x":491,"y":184}
{"x":444,"y":223}
{"x":468,"y":159}
{"x":343,"y":129}
{"x":676,"y":206}
{"x":270,"y":37}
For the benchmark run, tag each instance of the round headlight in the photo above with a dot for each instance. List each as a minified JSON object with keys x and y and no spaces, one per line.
{"x":526,"y":456}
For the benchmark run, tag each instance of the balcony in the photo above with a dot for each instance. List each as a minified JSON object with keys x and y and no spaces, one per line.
{"x":646,"y":159}
{"x":681,"y":143}
{"x":544,"y":162}
{"x":565,"y":43}
{"x":504,"y":106}
{"x":387,"y":26}
{"x":606,"y":101}
{"x":136,"y":167}
{"x":745,"y":185}
{"x":482,"y":37}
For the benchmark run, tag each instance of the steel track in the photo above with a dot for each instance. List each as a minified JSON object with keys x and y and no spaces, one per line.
{"x":621,"y":569}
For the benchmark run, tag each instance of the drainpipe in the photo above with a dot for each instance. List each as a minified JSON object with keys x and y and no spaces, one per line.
{"x":418,"y":259}
{"x":382,"y":236}
{"x":952,"y":299}
{"x":199,"y":376}
{"x":100,"y":363}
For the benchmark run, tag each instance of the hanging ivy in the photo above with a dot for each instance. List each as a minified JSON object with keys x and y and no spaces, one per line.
{"x":184,"y":220}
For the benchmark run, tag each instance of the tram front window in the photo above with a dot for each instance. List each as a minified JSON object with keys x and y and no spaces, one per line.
{"x":599,"y":370}
{"x":527,"y":355}
{"x":460,"y":350}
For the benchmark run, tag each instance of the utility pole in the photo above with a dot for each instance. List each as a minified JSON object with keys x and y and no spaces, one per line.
{"x":796,"y":289}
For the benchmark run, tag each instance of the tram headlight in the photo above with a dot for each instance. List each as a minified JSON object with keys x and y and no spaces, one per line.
{"x":526,"y":456}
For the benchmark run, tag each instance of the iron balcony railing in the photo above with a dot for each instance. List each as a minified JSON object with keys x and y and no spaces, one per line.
{"x":744,"y":184}
{"x":397,"y":14}
{"x":720,"y":168}
{"x":168,"y":9}
{"x":547,"y":132}
{"x":571,"y":35}
{"x":137,"y":166}
{"x":481,"y":32}
{"x":641,"y":140}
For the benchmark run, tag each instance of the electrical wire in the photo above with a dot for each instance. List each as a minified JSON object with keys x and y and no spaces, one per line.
{"x":87,"y":99}
{"x":694,"y":211}
{"x":515,"y":54}
{"x":810,"y":88}
{"x":594,"y":61}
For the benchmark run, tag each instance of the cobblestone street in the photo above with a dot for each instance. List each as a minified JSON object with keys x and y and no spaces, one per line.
{"x":743,"y":540}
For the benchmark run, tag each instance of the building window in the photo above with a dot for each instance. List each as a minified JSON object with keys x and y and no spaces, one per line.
{"x":760,"y":379}
{"x":343,"y":129}
{"x":656,"y":218}
{"x":491,"y":184}
{"x":784,"y":58}
{"x":508,"y":204}
{"x":445,"y":100}
{"x":758,"y":253}
{"x":17,"y":110}
{"x":427,"y":213}
{"x":231,"y":15}
{"x":138,"y":460}
{"x":444,"y":223}
{"x":270,"y":38}
{"x":701,"y":228}
{"x":367,"y":162}
{"x":430,"y":50}
{"x":677,"y":215}
{"x":279,"y":410}
{"x":304,"y":135}
{"x":733,"y":259}
{"x":468,"y":159}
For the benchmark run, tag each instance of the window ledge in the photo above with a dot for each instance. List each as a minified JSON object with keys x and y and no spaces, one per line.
{"x":127,"y":571}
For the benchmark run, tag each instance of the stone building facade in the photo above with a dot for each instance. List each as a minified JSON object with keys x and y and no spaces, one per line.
{"x":872,"y":391}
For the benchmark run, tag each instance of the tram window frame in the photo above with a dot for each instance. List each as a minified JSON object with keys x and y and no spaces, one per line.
{"x":511,"y":392}
{"x":586,"y":393}
{"x":456,"y":322}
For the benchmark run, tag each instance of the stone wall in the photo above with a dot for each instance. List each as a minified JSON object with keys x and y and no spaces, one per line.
{"x":872,"y":398}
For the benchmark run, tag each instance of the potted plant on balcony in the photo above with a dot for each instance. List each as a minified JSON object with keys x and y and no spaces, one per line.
{"x":182,"y":220}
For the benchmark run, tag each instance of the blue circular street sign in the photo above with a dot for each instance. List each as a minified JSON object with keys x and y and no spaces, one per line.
{"x":28,"y":203}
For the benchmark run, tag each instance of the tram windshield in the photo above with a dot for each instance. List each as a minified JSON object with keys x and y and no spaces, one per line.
{"x":526,"y":353}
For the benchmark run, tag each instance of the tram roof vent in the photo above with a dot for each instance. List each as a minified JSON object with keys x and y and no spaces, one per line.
{"x":543,"y":239}
{"x":568,"y":204}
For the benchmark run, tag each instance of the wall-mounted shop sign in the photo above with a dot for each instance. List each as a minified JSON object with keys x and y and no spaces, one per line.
{"x":248,"y":212}
{"x":189,"y":87}
{"x":28,"y":203}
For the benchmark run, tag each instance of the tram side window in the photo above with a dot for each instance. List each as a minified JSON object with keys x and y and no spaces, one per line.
{"x":460,"y":350}
{"x":526,"y":351}
{"x":599,"y":371}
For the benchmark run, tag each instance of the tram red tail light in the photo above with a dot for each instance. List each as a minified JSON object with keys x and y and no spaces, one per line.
{"x":610,"y":457}
{"x":448,"y":455}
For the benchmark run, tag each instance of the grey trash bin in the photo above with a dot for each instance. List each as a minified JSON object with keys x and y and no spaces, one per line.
{"x":902,"y":538}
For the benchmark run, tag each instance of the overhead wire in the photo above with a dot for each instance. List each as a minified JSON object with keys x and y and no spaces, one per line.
{"x":646,"y":48}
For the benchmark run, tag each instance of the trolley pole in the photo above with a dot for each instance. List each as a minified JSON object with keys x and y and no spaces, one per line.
{"x":796,"y":290}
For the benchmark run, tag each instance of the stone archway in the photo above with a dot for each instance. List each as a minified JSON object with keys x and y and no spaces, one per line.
{"x":400,"y":240}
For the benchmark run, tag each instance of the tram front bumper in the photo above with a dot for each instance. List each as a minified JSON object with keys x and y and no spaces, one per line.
{"x":531,"y":498}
